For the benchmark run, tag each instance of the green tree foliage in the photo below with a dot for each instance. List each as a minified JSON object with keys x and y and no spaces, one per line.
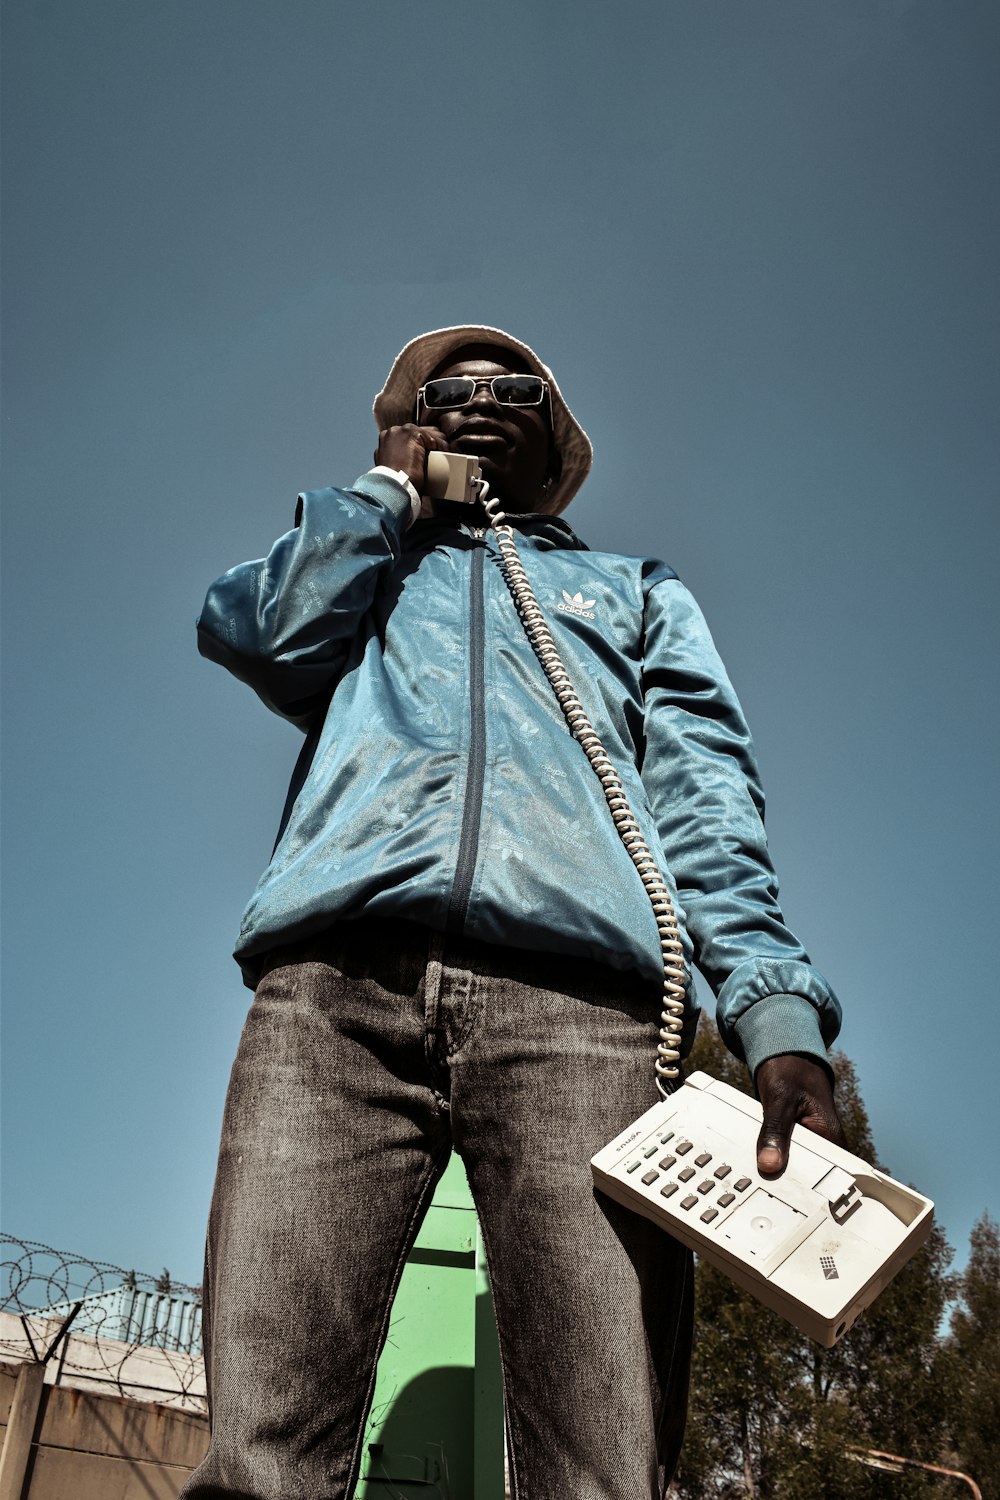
{"x":970,"y":1362}
{"x":773,"y":1414}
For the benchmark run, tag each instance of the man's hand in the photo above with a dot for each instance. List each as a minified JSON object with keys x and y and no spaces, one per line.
{"x":406,"y":448}
{"x":794,"y":1090}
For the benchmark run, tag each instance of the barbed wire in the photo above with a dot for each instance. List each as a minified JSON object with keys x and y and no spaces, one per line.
{"x":100,"y":1325}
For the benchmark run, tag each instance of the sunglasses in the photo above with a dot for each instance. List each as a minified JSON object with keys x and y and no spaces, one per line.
{"x":458,"y":390}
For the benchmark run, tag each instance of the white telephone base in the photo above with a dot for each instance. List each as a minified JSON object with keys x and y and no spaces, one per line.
{"x":817,"y":1244}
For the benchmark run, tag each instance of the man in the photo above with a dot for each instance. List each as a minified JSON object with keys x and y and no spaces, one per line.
{"x":451,"y":947}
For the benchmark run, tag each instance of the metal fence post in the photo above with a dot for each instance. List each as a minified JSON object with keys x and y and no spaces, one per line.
{"x":21,"y":1429}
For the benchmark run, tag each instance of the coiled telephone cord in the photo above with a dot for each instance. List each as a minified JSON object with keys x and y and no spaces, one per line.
{"x":675,"y":976}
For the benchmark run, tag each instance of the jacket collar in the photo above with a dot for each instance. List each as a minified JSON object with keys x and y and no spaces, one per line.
{"x":552,"y":530}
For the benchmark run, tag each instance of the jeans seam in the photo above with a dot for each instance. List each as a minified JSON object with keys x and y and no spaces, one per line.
{"x":208,"y":1323}
{"x":510,"y":1422}
{"x":668,"y":1381}
{"x":677,"y":1329}
{"x":426,"y":1191}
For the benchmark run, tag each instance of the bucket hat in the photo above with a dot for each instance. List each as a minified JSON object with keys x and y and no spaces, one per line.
{"x":395,"y":402}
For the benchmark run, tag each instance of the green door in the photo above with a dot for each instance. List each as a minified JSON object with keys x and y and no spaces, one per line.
{"x":436,"y":1423}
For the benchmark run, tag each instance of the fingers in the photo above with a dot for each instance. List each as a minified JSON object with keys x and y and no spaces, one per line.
{"x":406,"y":447}
{"x":793,"y":1090}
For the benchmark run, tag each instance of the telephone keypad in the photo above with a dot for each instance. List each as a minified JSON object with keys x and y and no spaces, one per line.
{"x":730,"y":1188}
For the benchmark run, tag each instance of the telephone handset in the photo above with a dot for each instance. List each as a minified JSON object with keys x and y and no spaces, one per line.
{"x":817,"y":1244}
{"x":453,"y":476}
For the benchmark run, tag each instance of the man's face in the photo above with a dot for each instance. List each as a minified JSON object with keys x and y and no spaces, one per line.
{"x":512,"y":443}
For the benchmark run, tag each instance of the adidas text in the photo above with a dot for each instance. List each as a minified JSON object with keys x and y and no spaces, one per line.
{"x":576,"y":604}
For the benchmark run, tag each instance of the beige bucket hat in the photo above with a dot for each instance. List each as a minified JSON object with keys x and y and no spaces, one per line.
{"x":395,"y":402}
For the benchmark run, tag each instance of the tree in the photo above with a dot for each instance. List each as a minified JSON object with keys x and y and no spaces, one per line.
{"x":970,"y":1362}
{"x":772,"y":1413}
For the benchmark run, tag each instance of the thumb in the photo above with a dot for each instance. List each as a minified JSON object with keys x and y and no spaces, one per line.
{"x":793,"y":1088}
{"x":775,"y":1134}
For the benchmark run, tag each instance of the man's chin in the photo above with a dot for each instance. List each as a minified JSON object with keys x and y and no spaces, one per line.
{"x":498,"y":480}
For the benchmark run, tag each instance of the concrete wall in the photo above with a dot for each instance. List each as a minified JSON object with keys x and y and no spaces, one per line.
{"x":88,"y":1445}
{"x":105,"y":1365}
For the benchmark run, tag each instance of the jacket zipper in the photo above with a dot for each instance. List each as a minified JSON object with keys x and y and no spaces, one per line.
{"x":468,"y":844}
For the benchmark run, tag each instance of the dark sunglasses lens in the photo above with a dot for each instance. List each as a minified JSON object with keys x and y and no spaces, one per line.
{"x":456,"y":391}
{"x":518,"y":390}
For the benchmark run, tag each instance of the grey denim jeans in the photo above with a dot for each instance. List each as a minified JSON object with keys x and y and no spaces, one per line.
{"x":366,"y":1057}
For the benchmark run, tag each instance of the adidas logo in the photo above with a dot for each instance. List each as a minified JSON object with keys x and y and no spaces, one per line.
{"x":576,"y":604}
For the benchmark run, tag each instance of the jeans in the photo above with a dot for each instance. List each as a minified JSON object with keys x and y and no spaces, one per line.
{"x":367,"y":1055}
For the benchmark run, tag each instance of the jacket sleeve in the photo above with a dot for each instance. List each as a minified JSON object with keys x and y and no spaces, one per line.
{"x":701,"y":777}
{"x":284,"y":625}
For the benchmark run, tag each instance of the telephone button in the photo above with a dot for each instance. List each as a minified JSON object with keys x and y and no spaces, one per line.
{"x":668,"y":1189}
{"x":706,"y":1186}
{"x":686,"y":1174}
{"x":683,"y":1147}
{"x":741,"y":1184}
{"x":666,"y":1162}
{"x":689,"y":1201}
{"x":723,"y":1170}
{"x":709,"y":1215}
{"x":703,"y":1159}
{"x":726,"y":1199}
{"x":649,"y":1177}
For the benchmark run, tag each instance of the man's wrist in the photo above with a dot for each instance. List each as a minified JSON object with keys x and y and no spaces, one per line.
{"x":401,"y":477}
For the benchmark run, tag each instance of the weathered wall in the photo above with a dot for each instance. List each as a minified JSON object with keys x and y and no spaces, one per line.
{"x":93,"y":1446}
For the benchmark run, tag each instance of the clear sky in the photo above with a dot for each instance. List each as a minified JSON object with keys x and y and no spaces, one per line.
{"x":757,"y":241}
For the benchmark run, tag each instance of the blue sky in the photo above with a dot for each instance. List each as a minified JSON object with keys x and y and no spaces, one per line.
{"x":757,"y":241}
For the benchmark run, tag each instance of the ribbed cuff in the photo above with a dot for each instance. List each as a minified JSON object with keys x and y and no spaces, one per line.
{"x":779,"y":1023}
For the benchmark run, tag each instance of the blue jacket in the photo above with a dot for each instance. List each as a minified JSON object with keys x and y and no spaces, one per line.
{"x":438,"y":781}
